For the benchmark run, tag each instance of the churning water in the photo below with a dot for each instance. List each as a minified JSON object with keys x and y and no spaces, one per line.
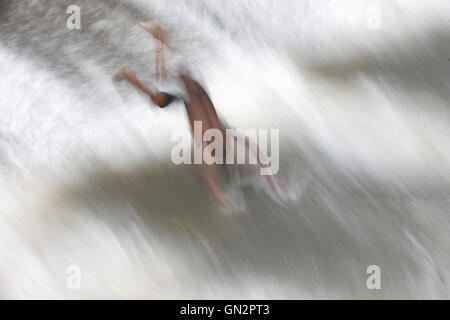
{"x":360,"y":91}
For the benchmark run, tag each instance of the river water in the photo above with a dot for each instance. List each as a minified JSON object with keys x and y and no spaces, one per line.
{"x":359,"y":90}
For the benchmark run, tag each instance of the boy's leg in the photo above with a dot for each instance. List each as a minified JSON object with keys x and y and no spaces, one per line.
{"x":209,"y":176}
{"x":156,"y":31}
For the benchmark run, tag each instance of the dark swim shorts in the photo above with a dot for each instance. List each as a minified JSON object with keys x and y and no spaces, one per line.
{"x":168,"y":98}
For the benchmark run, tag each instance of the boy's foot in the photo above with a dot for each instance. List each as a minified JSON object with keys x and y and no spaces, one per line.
{"x":226,"y":206}
{"x":154,"y":28}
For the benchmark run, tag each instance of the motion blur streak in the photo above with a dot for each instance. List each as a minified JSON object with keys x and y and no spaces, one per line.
{"x":363,"y":113}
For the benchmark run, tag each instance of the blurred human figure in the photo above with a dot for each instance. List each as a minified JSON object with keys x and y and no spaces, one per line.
{"x":199,"y":108}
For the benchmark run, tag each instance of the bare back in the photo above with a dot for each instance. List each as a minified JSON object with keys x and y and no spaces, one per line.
{"x":199,"y":106}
